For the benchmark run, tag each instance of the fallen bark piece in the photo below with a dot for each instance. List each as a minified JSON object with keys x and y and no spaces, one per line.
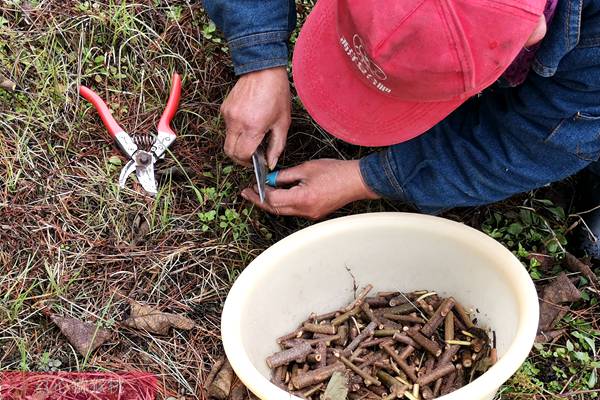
{"x":85,"y":337}
{"x":576,"y":265}
{"x":148,"y":319}
{"x":337,"y":388}
{"x":559,"y":291}
{"x":214,"y":371}
{"x":238,"y":391}
{"x":221,"y":386}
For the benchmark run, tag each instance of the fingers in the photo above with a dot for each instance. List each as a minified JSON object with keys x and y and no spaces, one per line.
{"x":290,"y":176}
{"x":277,"y":143}
{"x":240,"y":144}
{"x":251,"y":195}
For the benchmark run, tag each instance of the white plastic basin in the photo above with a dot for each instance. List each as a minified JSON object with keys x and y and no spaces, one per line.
{"x":308,"y":272}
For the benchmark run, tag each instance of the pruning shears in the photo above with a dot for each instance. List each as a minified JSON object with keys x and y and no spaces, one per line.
{"x":142,"y":150}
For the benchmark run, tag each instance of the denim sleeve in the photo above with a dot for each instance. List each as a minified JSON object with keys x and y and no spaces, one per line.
{"x":257,"y":31}
{"x":489,"y":149}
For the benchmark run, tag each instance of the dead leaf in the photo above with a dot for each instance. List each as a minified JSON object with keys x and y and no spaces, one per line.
{"x":85,"y":337}
{"x":559,"y":291}
{"x":148,"y":319}
{"x":7,"y":84}
{"x":576,"y":265}
{"x":337,"y":388}
{"x":221,"y":386}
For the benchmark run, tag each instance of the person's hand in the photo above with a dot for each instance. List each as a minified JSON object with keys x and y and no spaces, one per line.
{"x":316,"y":188}
{"x":259,"y":102}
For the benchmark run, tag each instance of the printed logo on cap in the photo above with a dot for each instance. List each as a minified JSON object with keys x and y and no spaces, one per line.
{"x":371,"y":71}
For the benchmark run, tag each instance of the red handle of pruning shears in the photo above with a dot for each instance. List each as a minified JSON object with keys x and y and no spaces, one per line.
{"x":164,"y":124}
{"x":113,"y":127}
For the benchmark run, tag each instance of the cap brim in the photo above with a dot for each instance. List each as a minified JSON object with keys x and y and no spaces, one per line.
{"x":339,"y":100}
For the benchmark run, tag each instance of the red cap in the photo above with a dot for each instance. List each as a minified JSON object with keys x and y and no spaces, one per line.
{"x":376,"y":73}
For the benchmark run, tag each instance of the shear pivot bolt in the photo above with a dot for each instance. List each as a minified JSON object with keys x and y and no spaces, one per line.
{"x":144,"y":158}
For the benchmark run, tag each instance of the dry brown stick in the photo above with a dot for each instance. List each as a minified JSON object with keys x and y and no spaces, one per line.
{"x":408,"y":370}
{"x":493,"y":356}
{"x":293,"y":335}
{"x":297,"y":353}
{"x":408,"y":350}
{"x":373,"y":342}
{"x":385,"y":323}
{"x":404,"y":318}
{"x":388,"y":380}
{"x":427,"y":344}
{"x":316,"y":376}
{"x":345,"y":316}
{"x":312,"y":390}
{"x":326,"y":329}
{"x":376,"y":301}
{"x":279,"y":374}
{"x":372,"y":359}
{"x":447,"y":355}
{"x":437,"y":387}
{"x":360,"y":298}
{"x":368,"y":379}
{"x":327,"y":339}
{"x":405,"y":339}
{"x":401,"y":309}
{"x":367,"y":332}
{"x":466,"y":359}
{"x":398,"y":300}
{"x":385,"y":332}
{"x":369,"y":313}
{"x":213,"y":372}
{"x":322,"y":351}
{"x":438,"y":317}
{"x":448,"y":384}
{"x":427,"y":393}
{"x":388,"y":294}
{"x":436,"y":374}
{"x":343,"y":334}
{"x":323,"y":317}
{"x":463,"y":315}
{"x":449,"y":327}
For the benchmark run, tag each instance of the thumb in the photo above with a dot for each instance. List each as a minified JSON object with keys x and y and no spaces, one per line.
{"x":276,"y":144}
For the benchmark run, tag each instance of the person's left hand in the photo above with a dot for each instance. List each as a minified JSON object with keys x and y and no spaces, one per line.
{"x":316,"y":188}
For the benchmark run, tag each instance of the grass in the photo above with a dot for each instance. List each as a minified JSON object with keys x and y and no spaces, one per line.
{"x":73,"y":243}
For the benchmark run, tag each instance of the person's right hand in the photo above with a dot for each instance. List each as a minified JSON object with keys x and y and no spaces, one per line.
{"x":259,"y":102}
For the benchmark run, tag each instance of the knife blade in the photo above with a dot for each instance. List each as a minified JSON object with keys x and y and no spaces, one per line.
{"x":260,"y":172}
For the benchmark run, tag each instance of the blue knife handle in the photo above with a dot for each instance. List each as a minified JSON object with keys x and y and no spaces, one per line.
{"x":271,"y":179}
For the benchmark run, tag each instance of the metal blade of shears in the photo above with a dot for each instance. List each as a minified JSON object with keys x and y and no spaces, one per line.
{"x":143,"y":165}
{"x":125,"y":172}
{"x":145,"y":175}
{"x":260,"y":172}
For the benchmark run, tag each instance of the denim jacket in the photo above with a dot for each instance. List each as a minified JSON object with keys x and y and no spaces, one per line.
{"x":503,"y":142}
